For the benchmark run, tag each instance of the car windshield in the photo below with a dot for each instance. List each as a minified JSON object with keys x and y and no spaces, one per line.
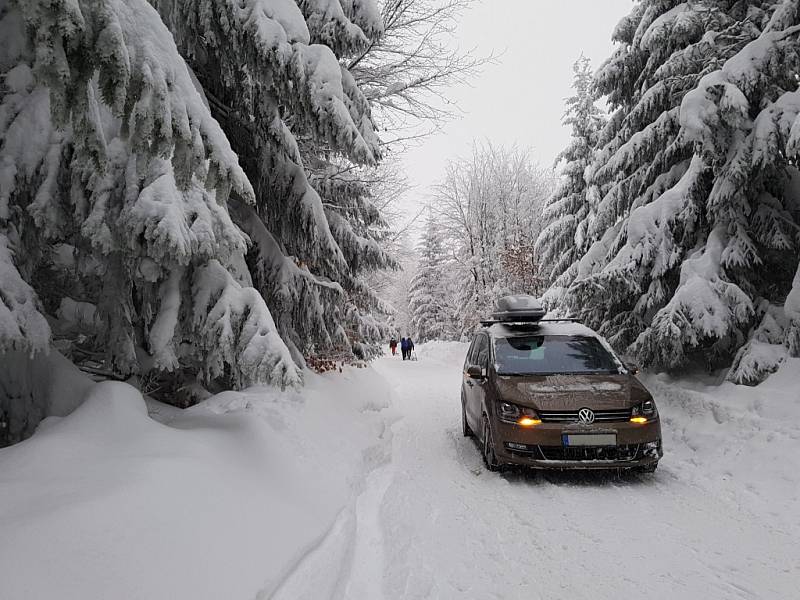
{"x":552,"y":354}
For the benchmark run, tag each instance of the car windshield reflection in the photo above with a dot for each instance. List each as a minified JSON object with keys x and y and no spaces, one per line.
{"x":550,"y":354}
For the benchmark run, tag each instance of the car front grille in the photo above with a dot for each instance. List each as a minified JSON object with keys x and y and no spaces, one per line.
{"x":616,"y":453}
{"x":571,"y":416}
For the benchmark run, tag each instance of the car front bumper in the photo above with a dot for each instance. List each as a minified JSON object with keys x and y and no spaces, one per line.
{"x":542,"y":446}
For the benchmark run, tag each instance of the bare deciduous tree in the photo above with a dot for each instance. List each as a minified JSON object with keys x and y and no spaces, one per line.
{"x":406,"y":74}
{"x":490,"y":210}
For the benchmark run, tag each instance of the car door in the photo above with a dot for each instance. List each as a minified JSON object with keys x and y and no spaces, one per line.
{"x":467,"y":384}
{"x":475,"y":388}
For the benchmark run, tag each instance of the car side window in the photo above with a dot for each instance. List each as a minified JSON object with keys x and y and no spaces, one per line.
{"x":482,"y":354}
{"x":471,"y":353}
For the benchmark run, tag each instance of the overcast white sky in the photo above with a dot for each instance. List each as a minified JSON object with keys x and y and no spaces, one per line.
{"x":521,"y":99}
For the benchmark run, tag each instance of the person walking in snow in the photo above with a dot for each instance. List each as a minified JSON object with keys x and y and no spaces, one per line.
{"x":409,"y":347}
{"x":403,"y":347}
{"x":393,"y":346}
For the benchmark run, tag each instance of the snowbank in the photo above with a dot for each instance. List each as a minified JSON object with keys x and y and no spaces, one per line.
{"x":733,"y":438}
{"x":32,"y":389}
{"x":221,"y":501}
{"x":268,"y":494}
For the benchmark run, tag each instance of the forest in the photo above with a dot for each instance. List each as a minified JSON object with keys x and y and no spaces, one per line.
{"x":205,"y":195}
{"x":579,"y":219}
{"x":671,"y":222}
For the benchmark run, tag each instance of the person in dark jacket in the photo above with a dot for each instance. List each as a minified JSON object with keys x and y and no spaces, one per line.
{"x":403,"y":347}
{"x":393,"y":346}
{"x":409,"y":347}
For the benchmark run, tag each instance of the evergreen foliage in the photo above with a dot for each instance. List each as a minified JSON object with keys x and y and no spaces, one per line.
{"x":158,"y":162}
{"x":303,"y":131}
{"x":429,"y":293}
{"x":560,"y":241}
{"x":112,"y":161}
{"x":693,"y":219}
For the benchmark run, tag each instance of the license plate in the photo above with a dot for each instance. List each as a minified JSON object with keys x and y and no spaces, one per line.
{"x":590,"y":439}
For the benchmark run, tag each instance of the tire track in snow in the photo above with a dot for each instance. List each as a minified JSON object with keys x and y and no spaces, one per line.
{"x":325,"y":569}
{"x":365,"y":579}
{"x":315,"y":573}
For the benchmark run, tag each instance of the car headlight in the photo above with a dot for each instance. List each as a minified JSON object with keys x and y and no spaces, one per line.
{"x":517,"y":415}
{"x":644,"y":412}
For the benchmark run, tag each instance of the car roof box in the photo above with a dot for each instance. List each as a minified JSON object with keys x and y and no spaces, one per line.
{"x":518,"y":309}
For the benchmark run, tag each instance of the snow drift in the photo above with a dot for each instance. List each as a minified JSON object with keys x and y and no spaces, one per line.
{"x":219,"y":502}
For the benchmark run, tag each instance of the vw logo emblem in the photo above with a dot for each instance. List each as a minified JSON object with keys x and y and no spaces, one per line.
{"x":586,"y":416}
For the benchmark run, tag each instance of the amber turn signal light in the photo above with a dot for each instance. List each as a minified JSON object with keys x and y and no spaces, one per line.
{"x":638,"y":420}
{"x":528,"y":422}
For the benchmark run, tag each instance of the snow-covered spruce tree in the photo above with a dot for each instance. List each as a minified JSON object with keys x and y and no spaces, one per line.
{"x":661,"y":53}
{"x":559,"y":243}
{"x":346,"y":187}
{"x":429,"y":297}
{"x":744,"y":121}
{"x":403,"y":73}
{"x":277,"y":94}
{"x":393,"y":288}
{"x":695,"y":229}
{"x":113,"y":170}
{"x":360,"y":227}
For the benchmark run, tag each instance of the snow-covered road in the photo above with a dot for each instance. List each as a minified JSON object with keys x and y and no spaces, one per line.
{"x":711,"y":523}
{"x":359,"y":486}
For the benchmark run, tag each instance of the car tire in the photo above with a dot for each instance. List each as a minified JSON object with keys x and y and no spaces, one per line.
{"x":489,"y":456}
{"x":648,"y":468}
{"x":465,"y":429}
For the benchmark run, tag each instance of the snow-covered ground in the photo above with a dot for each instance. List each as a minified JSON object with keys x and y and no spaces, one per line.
{"x":221,"y":501}
{"x":329,"y":494}
{"x":719,"y":519}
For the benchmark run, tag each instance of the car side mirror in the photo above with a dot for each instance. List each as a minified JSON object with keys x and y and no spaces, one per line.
{"x":633,"y":368}
{"x":475,"y":372}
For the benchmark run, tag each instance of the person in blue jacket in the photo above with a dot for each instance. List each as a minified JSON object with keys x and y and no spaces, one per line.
{"x":403,"y":347}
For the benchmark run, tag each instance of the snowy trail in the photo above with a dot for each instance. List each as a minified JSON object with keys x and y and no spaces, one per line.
{"x":361,"y":487}
{"x":433,"y":524}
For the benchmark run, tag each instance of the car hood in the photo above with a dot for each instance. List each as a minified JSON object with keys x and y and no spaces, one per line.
{"x":571,"y":392}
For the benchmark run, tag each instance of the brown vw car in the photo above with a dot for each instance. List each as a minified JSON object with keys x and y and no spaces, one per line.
{"x":553,"y":395}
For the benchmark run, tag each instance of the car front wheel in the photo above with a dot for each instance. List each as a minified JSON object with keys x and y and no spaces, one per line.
{"x":489,"y":456}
